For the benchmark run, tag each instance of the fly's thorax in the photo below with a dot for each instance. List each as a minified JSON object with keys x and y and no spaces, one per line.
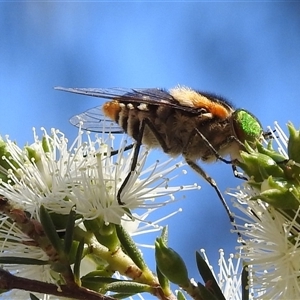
{"x":246,"y":126}
{"x":211,"y":105}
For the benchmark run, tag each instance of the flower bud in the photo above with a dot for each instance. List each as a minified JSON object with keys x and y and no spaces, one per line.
{"x":32,"y":154}
{"x":6,"y":161}
{"x":279,"y":193}
{"x":269,"y":151}
{"x":170,"y":264}
{"x":104,"y":233}
{"x":294,"y":144}
{"x":259,"y":166}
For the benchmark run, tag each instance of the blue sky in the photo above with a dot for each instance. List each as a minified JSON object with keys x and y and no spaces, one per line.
{"x":248,"y":52}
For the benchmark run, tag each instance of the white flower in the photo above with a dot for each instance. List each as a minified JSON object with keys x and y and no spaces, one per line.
{"x":15,"y":244}
{"x":85,"y":175}
{"x":271,"y":244}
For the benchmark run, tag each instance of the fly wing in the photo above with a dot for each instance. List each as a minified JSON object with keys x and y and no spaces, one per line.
{"x":94,"y":120}
{"x":152,"y":96}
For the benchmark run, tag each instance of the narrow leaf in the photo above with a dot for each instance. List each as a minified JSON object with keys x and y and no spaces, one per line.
{"x":50,"y":230}
{"x":78,"y":261}
{"x":69,"y":231}
{"x":127,"y":287}
{"x":162,"y":279}
{"x":205,"y":293}
{"x":22,"y":261}
{"x":130,"y":247}
{"x":208,"y":277}
{"x":180,"y":295}
{"x":33,"y":297}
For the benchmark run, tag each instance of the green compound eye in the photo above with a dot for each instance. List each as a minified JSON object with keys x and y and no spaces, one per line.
{"x":246,"y":126}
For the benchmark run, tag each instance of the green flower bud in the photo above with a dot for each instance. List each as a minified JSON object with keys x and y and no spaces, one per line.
{"x":104,"y":233}
{"x":46,"y":146}
{"x":279,"y":193}
{"x":32,"y":154}
{"x":6,"y":161}
{"x":269,"y":151}
{"x":259,"y":166}
{"x":171,"y":264}
{"x":294,"y":144}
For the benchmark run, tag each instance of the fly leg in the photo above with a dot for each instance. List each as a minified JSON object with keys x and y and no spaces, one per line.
{"x":145,"y":122}
{"x":201,"y":172}
{"x":134,"y":161}
{"x":212,"y":182}
{"x":115,"y":152}
{"x":210,"y":146}
{"x":233,"y":163}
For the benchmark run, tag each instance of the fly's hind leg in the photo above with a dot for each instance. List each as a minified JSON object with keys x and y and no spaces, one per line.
{"x":134,"y":161}
{"x":236,"y":173}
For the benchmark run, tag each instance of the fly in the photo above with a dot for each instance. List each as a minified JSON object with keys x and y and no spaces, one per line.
{"x":181,"y":121}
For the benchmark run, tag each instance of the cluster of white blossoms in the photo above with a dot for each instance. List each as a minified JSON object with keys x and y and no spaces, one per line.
{"x":269,"y":221}
{"x":83,"y":177}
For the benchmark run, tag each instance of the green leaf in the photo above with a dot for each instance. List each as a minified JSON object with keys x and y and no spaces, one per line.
{"x":163,"y":280}
{"x":259,"y":166}
{"x":97,"y":282}
{"x":22,"y":261}
{"x":127,"y":286}
{"x":50,"y":230}
{"x":47,"y":147}
{"x":206,"y":294}
{"x":279,"y":193}
{"x":78,"y":261}
{"x":245,"y":283}
{"x":130,"y":247}
{"x":98,"y":273}
{"x":69,"y":231}
{"x":180,"y":295}
{"x":208,"y":277}
{"x":33,"y":297}
{"x":122,"y":295}
{"x":32,"y":154}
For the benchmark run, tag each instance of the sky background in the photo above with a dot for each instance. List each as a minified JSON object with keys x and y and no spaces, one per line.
{"x":248,"y":52}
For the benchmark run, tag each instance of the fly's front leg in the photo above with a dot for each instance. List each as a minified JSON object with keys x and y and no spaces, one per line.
{"x":210,"y":180}
{"x":233,"y":162}
{"x":160,"y":139}
{"x":210,"y":146}
{"x":238,"y":174}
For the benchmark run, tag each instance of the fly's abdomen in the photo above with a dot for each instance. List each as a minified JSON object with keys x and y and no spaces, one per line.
{"x":129,"y":117}
{"x":112,"y":109}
